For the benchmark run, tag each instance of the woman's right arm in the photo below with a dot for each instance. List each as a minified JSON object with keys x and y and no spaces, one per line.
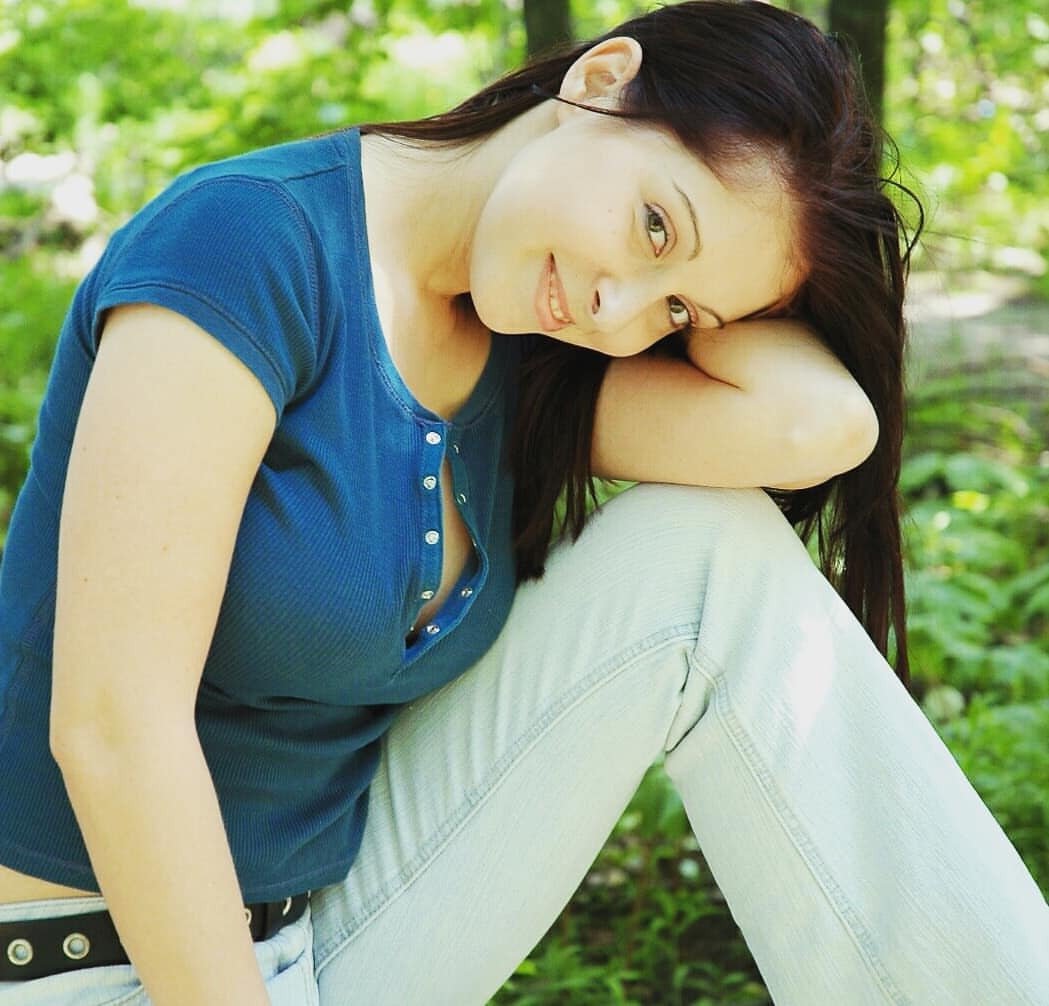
{"x":171,"y":434}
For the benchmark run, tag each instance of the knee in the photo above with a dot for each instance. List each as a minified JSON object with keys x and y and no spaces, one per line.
{"x":744,"y":525}
{"x":675,"y":546}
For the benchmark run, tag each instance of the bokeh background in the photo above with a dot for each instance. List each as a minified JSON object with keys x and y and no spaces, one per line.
{"x":102,"y":104}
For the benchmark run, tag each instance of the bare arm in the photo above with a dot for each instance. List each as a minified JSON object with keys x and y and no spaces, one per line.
{"x":172,"y":431}
{"x":763,"y":403}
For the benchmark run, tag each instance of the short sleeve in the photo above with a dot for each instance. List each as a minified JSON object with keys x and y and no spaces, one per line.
{"x":235,"y":255}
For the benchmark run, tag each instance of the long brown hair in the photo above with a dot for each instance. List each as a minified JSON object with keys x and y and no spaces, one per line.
{"x":728,"y":78}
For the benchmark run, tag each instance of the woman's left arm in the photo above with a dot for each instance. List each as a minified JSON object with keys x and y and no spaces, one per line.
{"x":762,"y":403}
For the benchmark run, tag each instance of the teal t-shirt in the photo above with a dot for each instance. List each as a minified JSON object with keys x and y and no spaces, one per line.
{"x":336,"y":551}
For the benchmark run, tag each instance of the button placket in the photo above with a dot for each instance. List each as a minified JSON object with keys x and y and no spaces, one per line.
{"x":429,"y":480}
{"x":461,"y":478}
{"x":463,"y":595}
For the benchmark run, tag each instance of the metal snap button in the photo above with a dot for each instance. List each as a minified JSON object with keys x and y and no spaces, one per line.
{"x":432,"y":537}
{"x":461,"y":497}
{"x":76,"y":946}
{"x":430,"y":482}
{"x":455,"y":447}
{"x":432,"y":629}
{"x":433,"y":437}
{"x":19,"y":952}
{"x":466,"y":591}
{"x":426,"y":595}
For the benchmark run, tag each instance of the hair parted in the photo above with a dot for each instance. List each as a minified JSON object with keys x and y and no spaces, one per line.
{"x":730,"y":78}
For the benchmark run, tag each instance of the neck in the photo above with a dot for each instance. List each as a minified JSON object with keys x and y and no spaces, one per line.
{"x":424,"y":201}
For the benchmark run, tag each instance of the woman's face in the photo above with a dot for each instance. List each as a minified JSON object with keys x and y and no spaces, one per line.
{"x":609,"y":234}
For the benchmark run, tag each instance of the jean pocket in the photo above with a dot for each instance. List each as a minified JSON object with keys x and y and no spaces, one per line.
{"x":286,"y":962}
{"x":295,"y":985}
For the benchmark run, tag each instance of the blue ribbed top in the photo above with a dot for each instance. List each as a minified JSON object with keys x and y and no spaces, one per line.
{"x":268,"y":253}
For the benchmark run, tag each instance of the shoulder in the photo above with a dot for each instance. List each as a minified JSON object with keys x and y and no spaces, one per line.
{"x":239,"y":247}
{"x":291,"y":184}
{"x":284,"y":164}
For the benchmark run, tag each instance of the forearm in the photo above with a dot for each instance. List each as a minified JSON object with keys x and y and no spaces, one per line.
{"x":147,"y":808}
{"x":790,"y":376}
{"x":751,"y":355}
{"x":758,"y":403}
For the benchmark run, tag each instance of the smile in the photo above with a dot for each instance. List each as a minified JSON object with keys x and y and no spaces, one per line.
{"x":551,"y":302}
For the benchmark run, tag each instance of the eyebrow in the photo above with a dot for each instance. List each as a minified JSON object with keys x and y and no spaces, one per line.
{"x":697,"y":249}
{"x":717,"y":317}
{"x":695,"y":224}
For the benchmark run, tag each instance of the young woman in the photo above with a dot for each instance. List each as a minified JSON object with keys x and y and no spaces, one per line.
{"x":258,"y":584}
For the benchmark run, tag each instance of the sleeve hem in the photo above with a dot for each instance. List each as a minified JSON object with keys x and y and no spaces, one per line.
{"x":208,"y":316}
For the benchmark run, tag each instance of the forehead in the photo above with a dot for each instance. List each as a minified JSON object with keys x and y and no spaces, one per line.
{"x":746,"y":218}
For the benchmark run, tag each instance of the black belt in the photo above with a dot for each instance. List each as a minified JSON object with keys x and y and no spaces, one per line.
{"x":42,"y":947}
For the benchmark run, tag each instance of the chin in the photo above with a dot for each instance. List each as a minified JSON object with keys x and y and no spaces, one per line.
{"x":494,"y":319}
{"x":570,"y":337}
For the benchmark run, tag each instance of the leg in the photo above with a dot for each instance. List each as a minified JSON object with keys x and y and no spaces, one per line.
{"x":496,"y":793}
{"x":860,"y":864}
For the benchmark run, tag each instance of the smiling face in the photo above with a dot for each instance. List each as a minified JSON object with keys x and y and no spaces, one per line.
{"x":609,"y":234}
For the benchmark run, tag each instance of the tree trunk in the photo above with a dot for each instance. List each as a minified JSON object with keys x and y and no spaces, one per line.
{"x":864,"y":23}
{"x":548,"y":23}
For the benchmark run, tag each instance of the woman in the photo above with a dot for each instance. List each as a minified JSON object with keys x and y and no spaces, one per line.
{"x":298,"y":479}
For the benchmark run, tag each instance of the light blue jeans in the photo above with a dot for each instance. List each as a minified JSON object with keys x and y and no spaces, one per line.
{"x":859,"y":863}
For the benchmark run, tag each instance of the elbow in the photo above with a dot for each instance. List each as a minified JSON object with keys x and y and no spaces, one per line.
{"x":851,"y":428}
{"x":77,"y":727}
{"x":75,"y":743}
{"x":836,"y":441}
{"x":860,"y":430}
{"x":95,"y":740}
{"x":62,"y":734}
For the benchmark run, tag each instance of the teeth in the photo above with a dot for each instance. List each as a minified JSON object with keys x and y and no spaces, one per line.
{"x":555,"y":310}
{"x":555,"y":303}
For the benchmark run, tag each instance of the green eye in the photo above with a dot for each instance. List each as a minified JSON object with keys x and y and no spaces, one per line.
{"x":680,"y":316}
{"x":656,"y":225}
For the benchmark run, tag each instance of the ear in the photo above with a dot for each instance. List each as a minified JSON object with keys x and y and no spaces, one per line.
{"x":600,"y":74}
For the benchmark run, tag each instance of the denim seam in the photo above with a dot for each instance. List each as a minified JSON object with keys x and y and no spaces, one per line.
{"x":139,"y":993}
{"x":476,"y":796}
{"x":794,"y":830}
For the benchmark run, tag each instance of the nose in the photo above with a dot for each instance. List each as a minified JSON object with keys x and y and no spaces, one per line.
{"x":617,"y":302}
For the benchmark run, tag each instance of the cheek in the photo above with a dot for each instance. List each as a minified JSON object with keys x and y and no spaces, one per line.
{"x":502,"y":280}
{"x":516,"y":231}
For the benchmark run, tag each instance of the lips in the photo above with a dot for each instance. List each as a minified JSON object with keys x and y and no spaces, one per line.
{"x":551,"y":303}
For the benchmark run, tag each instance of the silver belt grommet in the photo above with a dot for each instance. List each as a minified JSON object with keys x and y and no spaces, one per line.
{"x":247,"y":915}
{"x":76,"y":946}
{"x":20,"y":952}
{"x":287,"y":907}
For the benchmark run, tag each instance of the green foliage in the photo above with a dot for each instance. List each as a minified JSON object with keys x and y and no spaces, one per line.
{"x":32,"y":304}
{"x":1003,"y":751}
{"x":977,"y":481}
{"x":979,"y":535}
{"x":967,"y":98}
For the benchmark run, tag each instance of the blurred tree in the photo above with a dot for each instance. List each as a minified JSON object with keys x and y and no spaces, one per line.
{"x":548,"y":23}
{"x":864,"y":24}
